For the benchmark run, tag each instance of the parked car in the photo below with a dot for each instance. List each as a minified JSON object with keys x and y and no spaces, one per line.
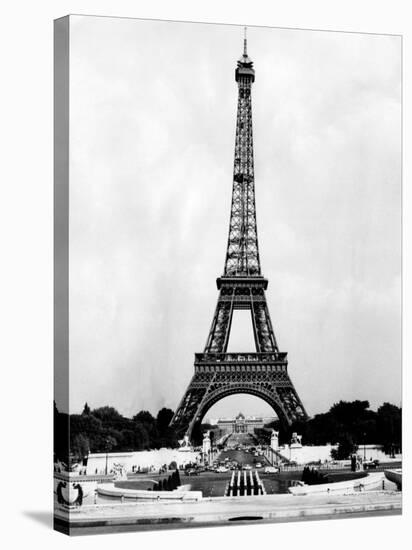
{"x":271,"y":469}
{"x":247,"y":467}
{"x":221,"y":470}
{"x":192,"y":472}
{"x":370,"y":464}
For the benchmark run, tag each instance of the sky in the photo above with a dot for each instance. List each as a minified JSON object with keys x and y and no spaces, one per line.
{"x":152,"y":128}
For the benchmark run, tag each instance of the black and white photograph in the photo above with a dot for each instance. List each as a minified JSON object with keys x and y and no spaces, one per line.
{"x":227,"y":274}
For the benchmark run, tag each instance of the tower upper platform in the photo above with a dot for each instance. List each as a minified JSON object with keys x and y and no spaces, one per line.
{"x":245,"y":64}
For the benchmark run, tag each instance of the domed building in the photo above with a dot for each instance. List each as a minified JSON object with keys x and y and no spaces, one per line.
{"x":241,"y":424}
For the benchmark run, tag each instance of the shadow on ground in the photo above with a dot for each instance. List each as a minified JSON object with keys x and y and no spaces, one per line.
{"x":43,"y":518}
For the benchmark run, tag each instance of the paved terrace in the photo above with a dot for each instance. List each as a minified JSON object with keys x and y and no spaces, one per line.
{"x":222,"y":510}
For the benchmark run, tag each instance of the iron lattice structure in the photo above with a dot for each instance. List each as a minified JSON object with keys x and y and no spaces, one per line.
{"x":262,"y":373}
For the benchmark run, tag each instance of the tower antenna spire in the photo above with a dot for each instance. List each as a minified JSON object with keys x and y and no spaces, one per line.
{"x":245,"y":41}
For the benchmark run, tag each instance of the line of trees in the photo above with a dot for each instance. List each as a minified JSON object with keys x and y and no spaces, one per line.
{"x":348,"y":424}
{"x":105,"y":430}
{"x":168,"y":484}
{"x":311,"y":476}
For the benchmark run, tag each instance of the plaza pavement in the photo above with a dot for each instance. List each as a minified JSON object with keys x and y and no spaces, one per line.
{"x":222,"y":510}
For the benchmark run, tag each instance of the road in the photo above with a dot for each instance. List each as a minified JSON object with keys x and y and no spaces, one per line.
{"x":214,"y":484}
{"x":242,"y":457}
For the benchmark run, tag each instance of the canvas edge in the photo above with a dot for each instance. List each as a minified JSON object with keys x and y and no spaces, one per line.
{"x":61,"y":98}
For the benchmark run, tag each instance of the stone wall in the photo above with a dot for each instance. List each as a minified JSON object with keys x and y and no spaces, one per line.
{"x":154,"y":460}
{"x":313,"y":453}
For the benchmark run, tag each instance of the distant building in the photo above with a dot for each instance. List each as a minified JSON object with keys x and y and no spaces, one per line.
{"x":241,"y":424}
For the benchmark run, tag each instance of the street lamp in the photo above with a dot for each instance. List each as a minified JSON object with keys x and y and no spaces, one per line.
{"x":107,"y":453}
{"x":364,"y":446}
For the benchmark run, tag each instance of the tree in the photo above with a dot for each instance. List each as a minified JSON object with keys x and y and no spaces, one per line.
{"x":347,"y":412}
{"x":141,"y":437}
{"x":165,"y":436}
{"x":61,"y":435}
{"x":164,"y":416}
{"x":170,"y":484}
{"x":79,"y":447}
{"x":144,"y":417}
{"x":389,"y":427}
{"x":311,"y":476}
{"x":263,"y":435}
{"x":197,"y":434}
{"x":108,"y":415}
{"x":346,"y":447}
{"x":208,"y":427}
{"x":345,"y":417}
{"x":146,"y":430}
{"x":88,"y":425}
{"x":86,"y":410}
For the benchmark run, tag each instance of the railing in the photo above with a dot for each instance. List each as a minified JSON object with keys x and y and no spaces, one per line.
{"x":322,"y":467}
{"x":268,"y":357}
{"x":74,"y":476}
{"x":242,"y":281}
{"x":275,"y":458}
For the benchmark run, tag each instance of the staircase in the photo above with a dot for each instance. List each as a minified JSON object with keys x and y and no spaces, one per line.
{"x":245,"y":483}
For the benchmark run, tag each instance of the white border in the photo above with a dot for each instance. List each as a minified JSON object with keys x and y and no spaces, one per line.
{"x":26,"y":204}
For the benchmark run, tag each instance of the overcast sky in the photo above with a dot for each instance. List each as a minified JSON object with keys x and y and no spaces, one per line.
{"x":152,"y":110}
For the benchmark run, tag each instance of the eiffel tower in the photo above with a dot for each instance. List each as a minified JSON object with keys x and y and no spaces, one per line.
{"x":263,"y":372}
